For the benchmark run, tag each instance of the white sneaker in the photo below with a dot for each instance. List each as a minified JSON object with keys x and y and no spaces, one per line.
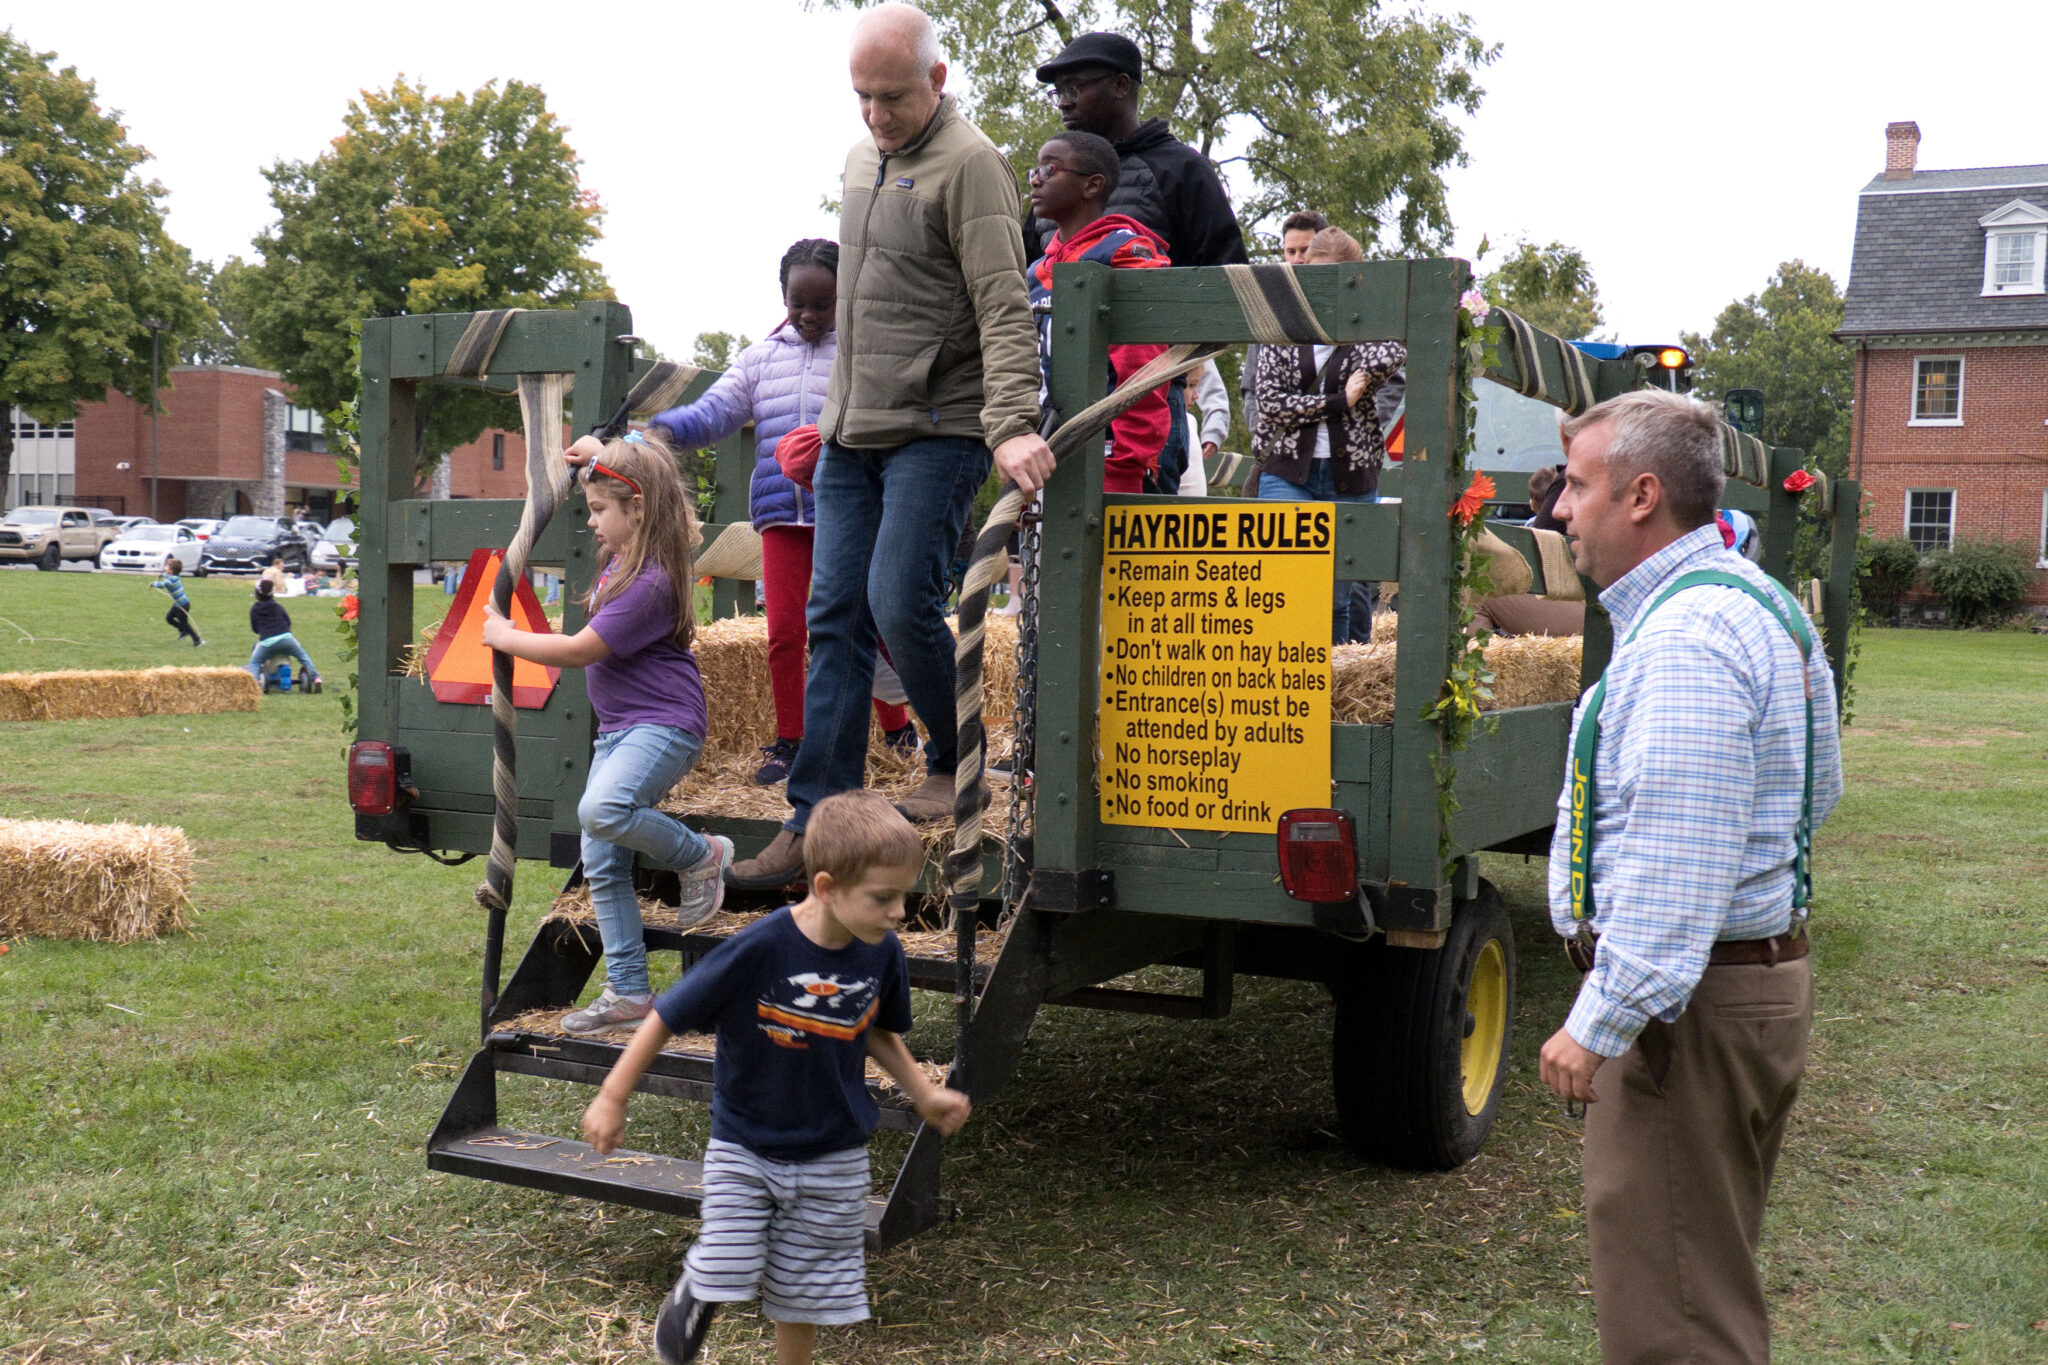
{"x":704,"y":885}
{"x":609,"y":1012}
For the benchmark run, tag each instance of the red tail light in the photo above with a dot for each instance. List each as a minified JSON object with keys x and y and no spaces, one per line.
{"x":372,"y":777}
{"x":1318,"y":855}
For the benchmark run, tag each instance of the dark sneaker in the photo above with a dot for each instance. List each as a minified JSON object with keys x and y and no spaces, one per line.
{"x":609,"y":1012}
{"x":314,"y":686}
{"x":704,"y":884}
{"x":903,"y":741}
{"x":780,"y":864}
{"x":933,"y":800}
{"x":680,"y":1326}
{"x":781,"y":754}
{"x":196,"y":642}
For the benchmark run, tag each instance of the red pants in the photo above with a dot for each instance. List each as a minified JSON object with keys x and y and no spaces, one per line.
{"x":786,"y":579}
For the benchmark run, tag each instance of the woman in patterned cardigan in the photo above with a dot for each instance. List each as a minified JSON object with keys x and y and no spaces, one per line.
{"x":1318,"y":436}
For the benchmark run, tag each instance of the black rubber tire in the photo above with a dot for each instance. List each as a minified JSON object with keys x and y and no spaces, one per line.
{"x":50,"y":560}
{"x":1396,"y":1049}
{"x":199,"y":571}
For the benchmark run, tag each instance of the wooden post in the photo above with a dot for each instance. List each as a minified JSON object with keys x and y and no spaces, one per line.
{"x":1070,"y":581}
{"x":1436,"y":423}
{"x":384,"y":599}
{"x":1838,"y":594}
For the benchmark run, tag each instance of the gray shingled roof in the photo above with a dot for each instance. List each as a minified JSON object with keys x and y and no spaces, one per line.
{"x":1919,"y":259}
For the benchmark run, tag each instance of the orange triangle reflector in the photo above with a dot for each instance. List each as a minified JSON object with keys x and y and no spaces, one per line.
{"x":458,"y":664}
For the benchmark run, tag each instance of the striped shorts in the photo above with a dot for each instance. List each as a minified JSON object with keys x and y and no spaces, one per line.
{"x":791,"y":1233}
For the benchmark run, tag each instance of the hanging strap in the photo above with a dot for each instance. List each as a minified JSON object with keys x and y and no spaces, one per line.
{"x":1587,"y":744}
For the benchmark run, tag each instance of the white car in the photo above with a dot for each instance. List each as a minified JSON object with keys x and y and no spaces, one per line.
{"x":203,"y":527}
{"x":145,"y":548}
{"x":337,"y":545}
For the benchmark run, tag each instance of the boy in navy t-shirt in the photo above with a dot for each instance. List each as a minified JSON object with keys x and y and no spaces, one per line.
{"x":800,"y":1000}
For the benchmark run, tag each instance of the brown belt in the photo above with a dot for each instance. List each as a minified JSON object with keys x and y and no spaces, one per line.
{"x":1737,"y":952}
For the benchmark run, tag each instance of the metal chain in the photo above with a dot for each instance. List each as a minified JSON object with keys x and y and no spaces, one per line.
{"x":1017,"y":855}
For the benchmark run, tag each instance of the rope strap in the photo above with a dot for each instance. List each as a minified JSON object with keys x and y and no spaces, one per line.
{"x":1529,"y":348}
{"x":479,"y":340}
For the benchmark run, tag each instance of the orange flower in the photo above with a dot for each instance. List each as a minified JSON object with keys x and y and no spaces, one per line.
{"x":1472,"y":499}
{"x":349,"y":606}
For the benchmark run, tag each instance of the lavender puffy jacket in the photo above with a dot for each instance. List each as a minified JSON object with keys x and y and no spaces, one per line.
{"x":778,"y":384}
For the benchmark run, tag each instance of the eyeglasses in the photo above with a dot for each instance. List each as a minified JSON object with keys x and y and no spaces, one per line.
{"x":1066,"y":92}
{"x":1038,"y":175}
{"x":598,"y":467}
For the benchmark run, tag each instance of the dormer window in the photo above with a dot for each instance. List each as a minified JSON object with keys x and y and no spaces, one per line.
{"x":2015,"y":249}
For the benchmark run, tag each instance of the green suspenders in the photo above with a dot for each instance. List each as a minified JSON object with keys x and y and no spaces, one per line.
{"x":1587,"y":744}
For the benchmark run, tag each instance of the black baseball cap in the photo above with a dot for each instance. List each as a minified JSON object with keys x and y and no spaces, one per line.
{"x":1112,"y":50}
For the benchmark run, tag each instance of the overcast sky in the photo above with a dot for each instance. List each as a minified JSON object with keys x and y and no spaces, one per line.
{"x":1686,"y":151}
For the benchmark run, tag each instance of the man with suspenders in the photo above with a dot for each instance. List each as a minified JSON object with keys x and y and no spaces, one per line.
{"x":1700,"y":765}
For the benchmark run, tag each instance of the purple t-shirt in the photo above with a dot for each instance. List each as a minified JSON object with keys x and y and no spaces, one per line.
{"x":647,"y":680}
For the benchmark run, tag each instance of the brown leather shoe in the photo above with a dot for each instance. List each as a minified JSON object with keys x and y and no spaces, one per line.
{"x":933,"y":800}
{"x":778,"y":865}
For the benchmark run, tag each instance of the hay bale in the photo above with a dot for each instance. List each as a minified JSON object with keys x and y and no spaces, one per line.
{"x":1527,"y":669}
{"x":107,"y":883}
{"x":107,"y":693}
{"x":732,"y":658}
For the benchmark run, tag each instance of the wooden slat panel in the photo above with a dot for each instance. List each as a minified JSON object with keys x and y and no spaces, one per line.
{"x":1508,"y":780}
{"x":543,"y":341}
{"x":1355,"y":301}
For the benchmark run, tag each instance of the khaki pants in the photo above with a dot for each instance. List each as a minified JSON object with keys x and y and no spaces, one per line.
{"x":1679,"y":1154}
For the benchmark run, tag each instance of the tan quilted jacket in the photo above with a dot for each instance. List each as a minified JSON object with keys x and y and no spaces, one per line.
{"x":935,"y":332}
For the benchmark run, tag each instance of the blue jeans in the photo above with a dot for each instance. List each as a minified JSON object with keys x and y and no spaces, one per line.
{"x":266,"y":650}
{"x":630,"y":770}
{"x":1320,"y":487}
{"x":887,"y":524}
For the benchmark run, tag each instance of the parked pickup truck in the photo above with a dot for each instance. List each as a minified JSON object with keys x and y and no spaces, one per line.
{"x":47,"y":536}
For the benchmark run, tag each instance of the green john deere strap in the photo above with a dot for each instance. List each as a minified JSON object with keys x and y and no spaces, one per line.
{"x":1587,"y":743}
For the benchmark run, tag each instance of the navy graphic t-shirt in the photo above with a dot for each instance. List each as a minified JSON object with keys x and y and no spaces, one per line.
{"x":790,"y":1077}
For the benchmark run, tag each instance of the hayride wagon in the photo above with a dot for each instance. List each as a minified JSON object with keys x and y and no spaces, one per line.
{"x":1183,"y":771}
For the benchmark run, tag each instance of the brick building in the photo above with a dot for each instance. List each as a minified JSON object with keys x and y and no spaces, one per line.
{"x":229,"y":440}
{"x":1947,"y":310}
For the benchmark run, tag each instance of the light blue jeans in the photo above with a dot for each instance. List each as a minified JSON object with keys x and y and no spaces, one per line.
{"x":630,"y":770}
{"x":1321,"y":488}
{"x":266,"y":650}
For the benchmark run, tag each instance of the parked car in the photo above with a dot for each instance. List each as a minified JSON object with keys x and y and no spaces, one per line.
{"x":248,"y":544}
{"x":337,"y":547}
{"x":146,"y":548}
{"x":47,"y":536}
{"x":203,"y":527}
{"x":128,"y":524}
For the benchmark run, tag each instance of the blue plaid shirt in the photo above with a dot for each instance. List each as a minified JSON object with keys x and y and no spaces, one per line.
{"x":1698,"y":782}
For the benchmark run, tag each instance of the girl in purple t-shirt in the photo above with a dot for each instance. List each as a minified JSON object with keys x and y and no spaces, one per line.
{"x":649,"y":702}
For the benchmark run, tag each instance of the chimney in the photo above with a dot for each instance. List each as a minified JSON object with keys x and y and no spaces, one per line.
{"x":1901,"y":150}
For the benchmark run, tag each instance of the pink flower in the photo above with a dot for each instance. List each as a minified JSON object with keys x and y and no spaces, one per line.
{"x":1798,"y":481}
{"x":1474,"y":302}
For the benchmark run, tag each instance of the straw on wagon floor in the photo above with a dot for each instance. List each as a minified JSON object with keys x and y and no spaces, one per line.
{"x":573,"y":907}
{"x":113,"y":883}
{"x":112,"y":693}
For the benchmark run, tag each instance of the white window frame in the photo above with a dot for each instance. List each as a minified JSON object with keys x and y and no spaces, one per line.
{"x":2017,"y":218}
{"x":1906,"y":518}
{"x":1913,"y":417}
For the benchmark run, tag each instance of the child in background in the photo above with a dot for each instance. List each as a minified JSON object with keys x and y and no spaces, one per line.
{"x":779,"y":384}
{"x":181,"y":605}
{"x":1071,"y":184}
{"x":273,"y":627}
{"x":649,"y":702}
{"x":800,"y":999}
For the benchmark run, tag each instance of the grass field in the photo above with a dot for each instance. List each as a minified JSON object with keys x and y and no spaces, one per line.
{"x":214,"y":1143}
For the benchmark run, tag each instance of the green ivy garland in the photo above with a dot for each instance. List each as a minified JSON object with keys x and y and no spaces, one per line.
{"x":1468,"y":682}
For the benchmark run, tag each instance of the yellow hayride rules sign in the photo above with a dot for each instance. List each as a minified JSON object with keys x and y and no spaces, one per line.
{"x":1216,"y":663}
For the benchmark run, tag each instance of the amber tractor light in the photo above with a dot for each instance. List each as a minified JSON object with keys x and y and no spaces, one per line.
{"x":1672,"y":358}
{"x":1318,"y":855}
{"x":372,"y":777}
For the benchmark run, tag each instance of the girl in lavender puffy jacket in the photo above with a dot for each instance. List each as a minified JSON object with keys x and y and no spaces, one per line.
{"x":779,"y":384}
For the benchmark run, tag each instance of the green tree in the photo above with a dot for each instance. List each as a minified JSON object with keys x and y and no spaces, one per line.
{"x":424,"y":204}
{"x":84,"y":258}
{"x":1550,"y":286}
{"x":1346,"y":106}
{"x":225,"y":338}
{"x":717,"y":350}
{"x":1780,"y":341}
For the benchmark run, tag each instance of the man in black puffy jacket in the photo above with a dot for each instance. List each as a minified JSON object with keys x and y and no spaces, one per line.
{"x":1162,"y":182}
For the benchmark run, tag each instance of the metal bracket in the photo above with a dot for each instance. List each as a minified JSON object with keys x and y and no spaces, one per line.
{"x":1396,"y":905}
{"x":1063,"y":892}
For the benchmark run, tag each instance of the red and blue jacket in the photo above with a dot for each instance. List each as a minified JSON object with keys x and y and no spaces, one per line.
{"x":1121,"y":243}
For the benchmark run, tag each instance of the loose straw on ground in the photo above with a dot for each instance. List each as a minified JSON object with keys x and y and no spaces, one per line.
{"x":108,"y":883}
